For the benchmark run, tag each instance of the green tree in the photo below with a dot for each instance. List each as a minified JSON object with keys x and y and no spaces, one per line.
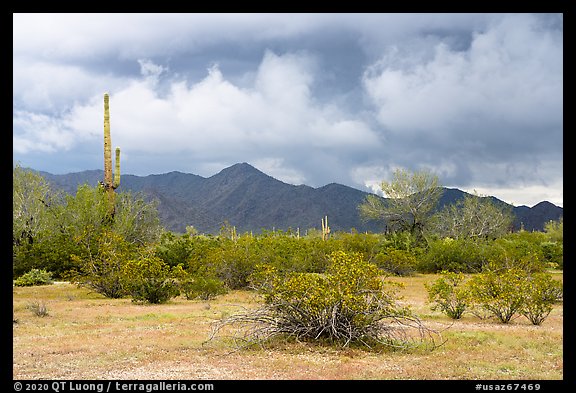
{"x":553,"y":249}
{"x":36,"y":228}
{"x":32,"y":197}
{"x":410,"y":200}
{"x":555,"y":230}
{"x":474,"y":217}
{"x":49,"y":226}
{"x":102,"y":246}
{"x":137,"y":219}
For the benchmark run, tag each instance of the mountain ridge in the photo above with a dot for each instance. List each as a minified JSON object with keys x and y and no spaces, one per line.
{"x":252,"y":200}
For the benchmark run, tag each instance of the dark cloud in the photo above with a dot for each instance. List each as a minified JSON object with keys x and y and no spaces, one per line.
{"x":308,"y":98}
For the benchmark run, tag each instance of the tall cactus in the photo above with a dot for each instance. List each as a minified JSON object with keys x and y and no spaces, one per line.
{"x":108,"y":184}
{"x":325,"y":228}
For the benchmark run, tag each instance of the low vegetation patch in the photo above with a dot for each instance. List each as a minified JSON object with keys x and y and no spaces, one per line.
{"x":38,"y":308}
{"x":34,"y":277}
{"x":350,"y":304}
{"x":501,"y":293}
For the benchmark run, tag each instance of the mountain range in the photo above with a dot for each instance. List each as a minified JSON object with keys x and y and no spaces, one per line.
{"x":251,"y":200}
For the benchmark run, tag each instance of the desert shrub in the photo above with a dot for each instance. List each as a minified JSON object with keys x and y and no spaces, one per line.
{"x":521,"y":250}
{"x":350,"y":303}
{"x":263,"y":277}
{"x":455,"y":255}
{"x":174,"y":250}
{"x":555,"y":230}
{"x":290,"y":254}
{"x":38,"y":308}
{"x":397,"y":262}
{"x":194,"y":286}
{"x":149,"y":279}
{"x":204,"y":288}
{"x":553,"y":254}
{"x":508,"y":293}
{"x":34,"y":277}
{"x":400,"y":240}
{"x":234,"y":261}
{"x":102,"y":269}
{"x":449,"y":294}
{"x":51,"y":253}
{"x":499,"y":292}
{"x":368,"y":244}
{"x":314,"y":255}
{"x":541,"y":292}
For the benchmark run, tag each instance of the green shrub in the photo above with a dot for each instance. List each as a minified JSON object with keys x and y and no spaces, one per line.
{"x":507,"y":293}
{"x":541,"y":292}
{"x":202,"y":287}
{"x":400,"y":240}
{"x":234,"y":261}
{"x":500,"y":293}
{"x":149,"y":279}
{"x":397,"y":262}
{"x":367,"y":244}
{"x":350,"y":303}
{"x":174,"y":250}
{"x":521,"y":250}
{"x":449,"y":294}
{"x":455,"y":255}
{"x":102,"y":271}
{"x":34,"y":277}
{"x":553,"y":253}
{"x":555,"y":230}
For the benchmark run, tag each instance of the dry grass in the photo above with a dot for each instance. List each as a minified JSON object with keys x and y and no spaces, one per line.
{"x":86,"y":336}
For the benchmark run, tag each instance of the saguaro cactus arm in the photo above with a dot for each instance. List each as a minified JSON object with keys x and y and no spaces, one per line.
{"x":325,"y":228}
{"x":117,"y":170}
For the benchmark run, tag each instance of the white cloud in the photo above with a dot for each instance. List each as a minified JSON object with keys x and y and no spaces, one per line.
{"x":150,"y":71}
{"x":528,"y":195}
{"x":512,"y":73}
{"x":476,"y":98}
{"x":42,"y":133}
{"x":43,"y":86}
{"x":217,"y":120}
{"x":277,"y":168}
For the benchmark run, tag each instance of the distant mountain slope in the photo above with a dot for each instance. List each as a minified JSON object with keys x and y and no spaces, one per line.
{"x":251,"y":200}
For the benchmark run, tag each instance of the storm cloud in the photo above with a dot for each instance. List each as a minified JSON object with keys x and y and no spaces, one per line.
{"x":307,"y":98}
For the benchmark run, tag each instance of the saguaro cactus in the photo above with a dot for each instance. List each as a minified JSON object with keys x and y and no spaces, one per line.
{"x":325,"y":228}
{"x":108,"y":184}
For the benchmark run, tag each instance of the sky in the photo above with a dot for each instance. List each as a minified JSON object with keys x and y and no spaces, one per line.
{"x":476,"y":99}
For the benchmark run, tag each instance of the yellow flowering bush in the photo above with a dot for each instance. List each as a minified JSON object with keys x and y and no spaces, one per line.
{"x":541,"y":292}
{"x":149,"y":279}
{"x":500,"y":293}
{"x":349,"y":303}
{"x":449,"y":294}
{"x":508,"y":293}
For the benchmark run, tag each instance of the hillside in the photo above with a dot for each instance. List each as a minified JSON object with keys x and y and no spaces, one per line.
{"x":252,"y":200}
